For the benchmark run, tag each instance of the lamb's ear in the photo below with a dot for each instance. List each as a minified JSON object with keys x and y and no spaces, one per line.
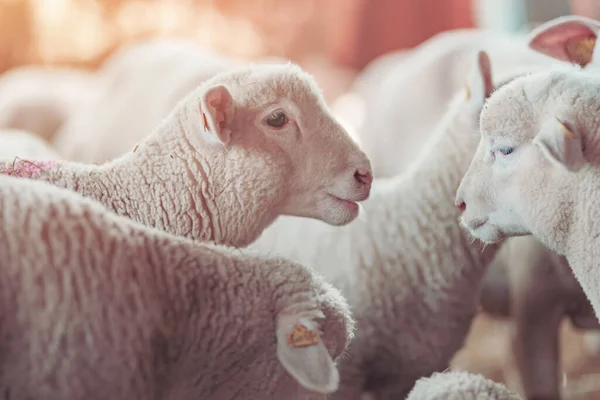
{"x":479,"y":81}
{"x":216,"y":111}
{"x":561,"y":145}
{"x":303,"y":354}
{"x":571,"y":39}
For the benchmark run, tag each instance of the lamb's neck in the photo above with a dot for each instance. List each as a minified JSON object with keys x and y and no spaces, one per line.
{"x":175,"y":190}
{"x":582,"y":233}
{"x":431,"y":184}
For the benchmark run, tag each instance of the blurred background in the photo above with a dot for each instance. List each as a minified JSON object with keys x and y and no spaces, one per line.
{"x":325,"y":35}
{"x":334,"y":40}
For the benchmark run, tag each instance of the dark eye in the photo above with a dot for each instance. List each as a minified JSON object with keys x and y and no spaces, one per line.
{"x":506,"y":150}
{"x":277,"y":119}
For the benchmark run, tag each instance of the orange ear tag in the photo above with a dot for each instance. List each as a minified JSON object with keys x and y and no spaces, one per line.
{"x":301,"y":336}
{"x":581,"y":49}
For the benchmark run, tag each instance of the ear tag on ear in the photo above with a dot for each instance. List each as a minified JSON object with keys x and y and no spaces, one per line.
{"x":580,"y":49}
{"x":301,"y":336}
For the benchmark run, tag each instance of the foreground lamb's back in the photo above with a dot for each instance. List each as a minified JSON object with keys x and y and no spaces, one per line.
{"x":243,"y":148}
{"x":149,"y":315}
{"x":142,"y":83}
{"x":409,"y":271}
{"x":460,"y":385}
{"x":16,"y":144}
{"x":541,"y":291}
{"x":41,"y":99}
{"x":535,"y":171}
{"x":403,"y":102}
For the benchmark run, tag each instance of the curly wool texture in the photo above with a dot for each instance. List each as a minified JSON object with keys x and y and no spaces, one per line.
{"x":94,"y":306}
{"x":459,"y":385}
{"x":182,"y":182}
{"x":409,"y":271}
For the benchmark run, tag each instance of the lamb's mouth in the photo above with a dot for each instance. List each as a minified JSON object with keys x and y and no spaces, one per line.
{"x":350,"y":204}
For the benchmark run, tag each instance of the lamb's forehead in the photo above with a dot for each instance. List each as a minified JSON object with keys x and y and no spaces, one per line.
{"x":515,"y":107}
{"x":259,"y":84}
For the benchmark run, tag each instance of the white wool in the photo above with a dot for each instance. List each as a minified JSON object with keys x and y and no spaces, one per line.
{"x":405,"y":94}
{"x":142,"y":83}
{"x":94,"y":306}
{"x":409,"y":272}
{"x":460,"y":385}
{"x":535,"y":171}
{"x":541,"y":291}
{"x":22,"y":144}
{"x":217,"y":168}
{"x":40,"y":99}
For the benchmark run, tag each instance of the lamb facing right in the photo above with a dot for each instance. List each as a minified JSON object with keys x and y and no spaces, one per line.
{"x":460,"y":385}
{"x":410,"y":272}
{"x":94,"y":306}
{"x":247,"y":146}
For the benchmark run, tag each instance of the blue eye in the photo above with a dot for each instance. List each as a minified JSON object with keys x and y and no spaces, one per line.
{"x":506,"y":150}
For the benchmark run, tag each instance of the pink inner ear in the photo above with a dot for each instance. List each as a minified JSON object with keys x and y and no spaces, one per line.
{"x":554,"y":40}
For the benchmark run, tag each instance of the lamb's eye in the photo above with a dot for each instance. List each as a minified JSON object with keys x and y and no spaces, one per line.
{"x":506,"y":150}
{"x":277,"y":119}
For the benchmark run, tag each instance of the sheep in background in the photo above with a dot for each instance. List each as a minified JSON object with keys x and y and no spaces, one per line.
{"x":412,"y":90}
{"x":247,"y":146}
{"x":40,"y":99}
{"x":94,"y":306}
{"x":22,"y":144}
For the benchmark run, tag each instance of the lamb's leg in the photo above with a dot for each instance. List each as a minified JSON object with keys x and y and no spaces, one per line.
{"x":537,"y":306}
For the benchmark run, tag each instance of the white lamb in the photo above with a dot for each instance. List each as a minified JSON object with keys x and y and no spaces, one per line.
{"x":17,"y":143}
{"x":414,"y":89}
{"x":95,"y":306}
{"x":535,"y":169}
{"x":245,"y":147}
{"x":409,"y":271}
{"x":460,"y":385}
{"x":142,"y":82}
{"x":40,"y":99}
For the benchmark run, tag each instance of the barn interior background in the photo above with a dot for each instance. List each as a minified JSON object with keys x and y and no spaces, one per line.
{"x":334,"y":39}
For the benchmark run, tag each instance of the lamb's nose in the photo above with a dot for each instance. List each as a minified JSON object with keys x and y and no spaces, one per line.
{"x":461,"y":205}
{"x":363,"y":176}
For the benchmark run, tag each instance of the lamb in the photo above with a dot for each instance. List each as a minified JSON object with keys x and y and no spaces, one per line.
{"x":141,"y":83}
{"x":541,"y":292}
{"x":535,"y":169}
{"x":40,"y":99}
{"x":245,"y":147}
{"x":16,"y":143}
{"x":410,"y":272}
{"x":95,"y":306}
{"x":459,"y":385}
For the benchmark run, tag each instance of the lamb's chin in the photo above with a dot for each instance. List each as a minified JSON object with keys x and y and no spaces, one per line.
{"x":341,"y":212}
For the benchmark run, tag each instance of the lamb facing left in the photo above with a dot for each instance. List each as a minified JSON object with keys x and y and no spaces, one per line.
{"x":243,"y":148}
{"x":95,"y":306}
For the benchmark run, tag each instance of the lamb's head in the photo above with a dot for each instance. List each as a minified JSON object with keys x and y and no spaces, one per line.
{"x":524,"y":175}
{"x":571,"y":38}
{"x":270,"y":122}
